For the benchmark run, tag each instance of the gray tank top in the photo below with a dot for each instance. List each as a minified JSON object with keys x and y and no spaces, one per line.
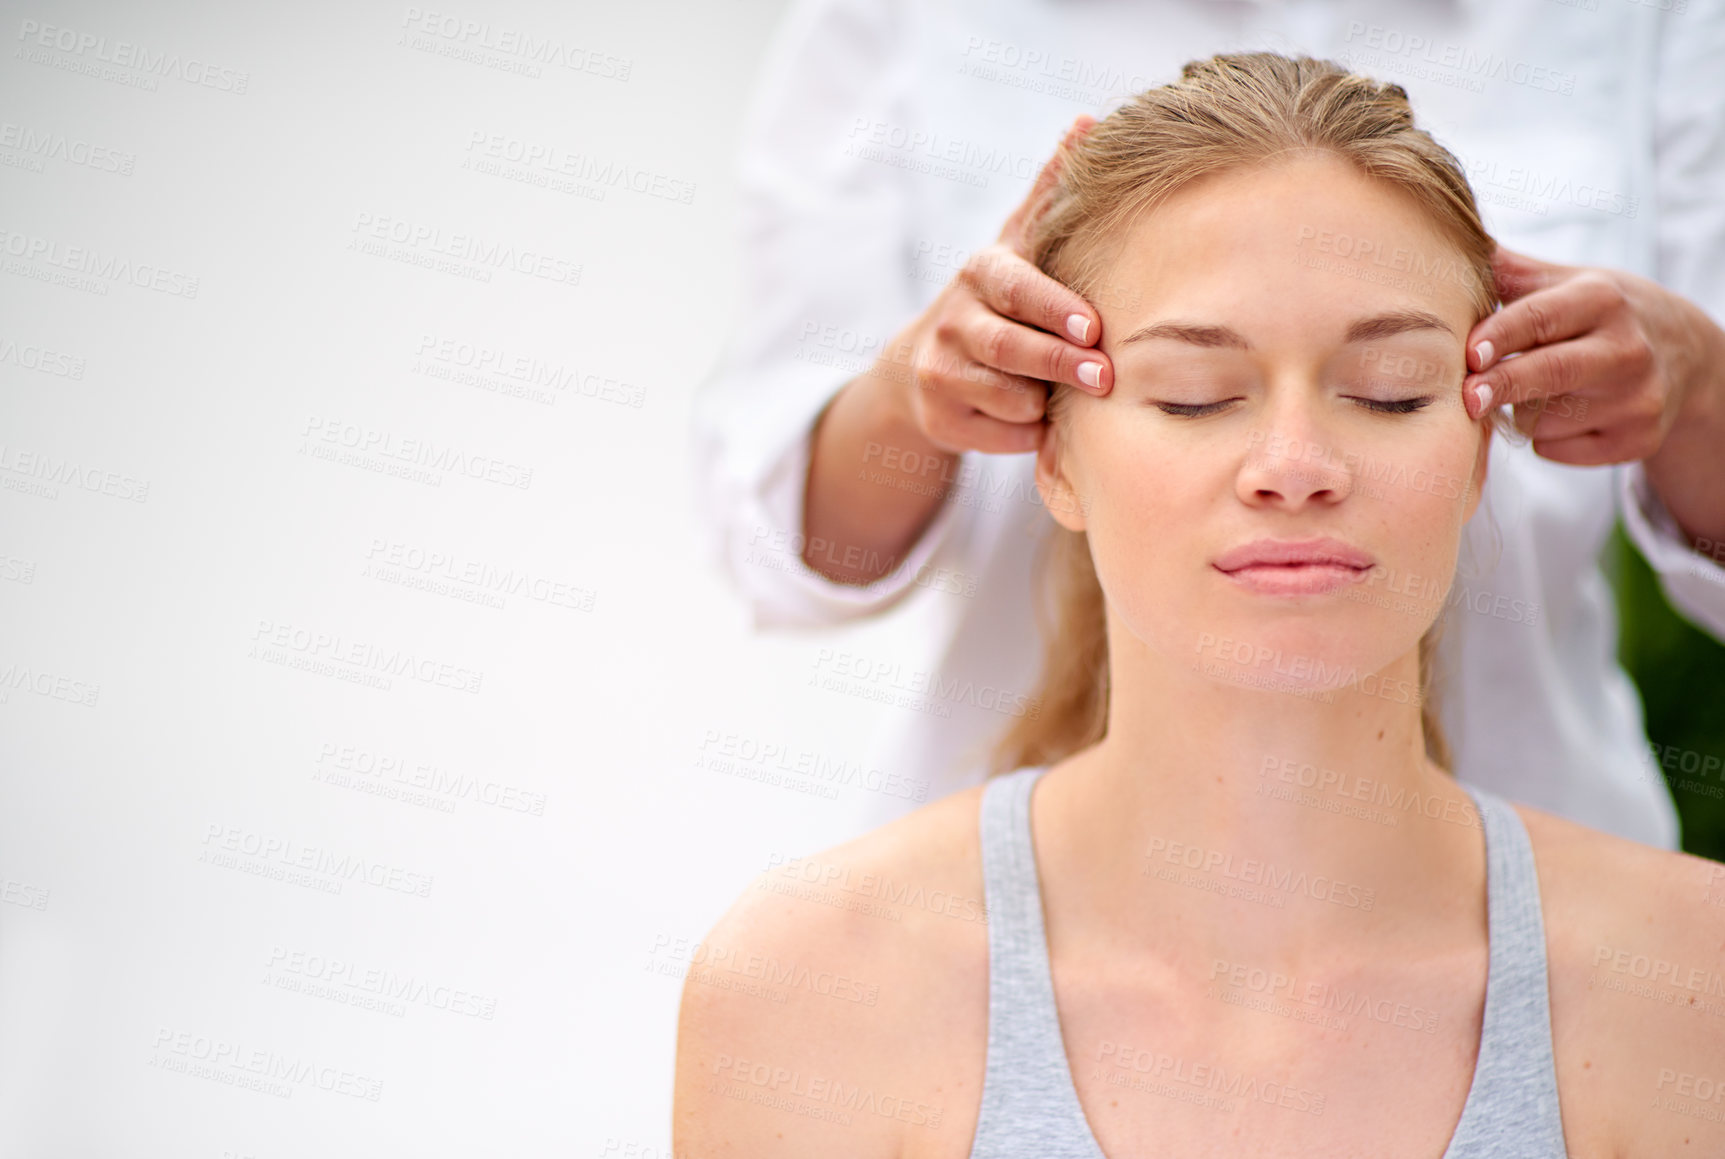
{"x":1030,"y":1107}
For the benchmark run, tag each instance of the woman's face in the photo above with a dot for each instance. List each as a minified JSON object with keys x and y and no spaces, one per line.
{"x":1288,"y":370}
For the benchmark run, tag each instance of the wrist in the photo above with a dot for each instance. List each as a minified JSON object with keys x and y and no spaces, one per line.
{"x":1700,"y":416}
{"x":1684,"y":471}
{"x":889,"y":390}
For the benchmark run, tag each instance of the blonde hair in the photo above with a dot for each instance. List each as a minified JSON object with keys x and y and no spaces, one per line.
{"x":1226,"y":112}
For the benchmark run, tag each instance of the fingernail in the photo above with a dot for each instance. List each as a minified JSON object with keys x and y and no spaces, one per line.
{"x":1486,"y":352}
{"x":1078,"y":326}
{"x":1090,"y":373}
{"x":1483,"y":393}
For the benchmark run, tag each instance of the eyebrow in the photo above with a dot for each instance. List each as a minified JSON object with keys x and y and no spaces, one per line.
{"x":1190,"y":332}
{"x":1395,"y":322}
{"x":1364,"y":330}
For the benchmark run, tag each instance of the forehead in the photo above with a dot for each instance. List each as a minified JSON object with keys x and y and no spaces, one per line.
{"x":1303,"y":245}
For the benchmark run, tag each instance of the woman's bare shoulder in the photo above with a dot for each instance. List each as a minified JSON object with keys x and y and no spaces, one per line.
{"x":1636,"y":960}
{"x":1600,"y":881}
{"x":926,"y":863}
{"x":835,"y":982}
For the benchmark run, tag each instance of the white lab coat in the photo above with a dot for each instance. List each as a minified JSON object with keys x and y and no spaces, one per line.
{"x":888,"y":138}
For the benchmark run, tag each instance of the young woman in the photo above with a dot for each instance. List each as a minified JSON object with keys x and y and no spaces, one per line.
{"x":1228,"y":900}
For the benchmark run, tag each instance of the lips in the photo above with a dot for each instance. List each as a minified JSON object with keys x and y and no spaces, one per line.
{"x":1295,"y":567}
{"x":1321,"y":551}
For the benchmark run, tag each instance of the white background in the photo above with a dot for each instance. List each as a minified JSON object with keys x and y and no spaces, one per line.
{"x":192,"y":578}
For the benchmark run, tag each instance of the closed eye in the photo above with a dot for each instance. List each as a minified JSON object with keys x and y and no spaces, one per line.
{"x":1192,"y":410}
{"x":1399,"y":406}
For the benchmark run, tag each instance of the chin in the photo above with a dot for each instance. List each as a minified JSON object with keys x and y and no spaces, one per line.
{"x":1306,"y":655}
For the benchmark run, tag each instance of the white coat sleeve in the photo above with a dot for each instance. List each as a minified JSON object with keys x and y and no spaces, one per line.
{"x":1693,"y":583}
{"x":1689,"y":160}
{"x":825,"y":235}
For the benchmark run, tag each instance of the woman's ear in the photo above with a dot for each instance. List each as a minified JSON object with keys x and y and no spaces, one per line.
{"x":1476,"y":485}
{"x":1053,"y":484}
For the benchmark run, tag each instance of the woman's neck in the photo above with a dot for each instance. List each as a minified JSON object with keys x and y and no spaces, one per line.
{"x":1274,"y":827}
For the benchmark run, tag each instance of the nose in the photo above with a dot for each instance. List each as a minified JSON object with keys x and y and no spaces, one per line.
{"x":1292,"y":460}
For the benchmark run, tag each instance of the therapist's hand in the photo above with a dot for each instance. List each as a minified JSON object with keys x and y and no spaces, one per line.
{"x":1609,"y":367}
{"x":1605,"y":360}
{"x":972,"y":369}
{"x":970,"y":372}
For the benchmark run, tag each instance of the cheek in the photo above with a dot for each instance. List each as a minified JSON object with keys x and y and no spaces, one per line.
{"x":1413,"y":495}
{"x":1421,"y":481}
{"x":1151,"y":503}
{"x":1142,"y":488}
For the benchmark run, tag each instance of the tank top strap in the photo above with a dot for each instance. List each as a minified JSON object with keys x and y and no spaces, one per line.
{"x":1030,"y":1106}
{"x":1514,"y":1091}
